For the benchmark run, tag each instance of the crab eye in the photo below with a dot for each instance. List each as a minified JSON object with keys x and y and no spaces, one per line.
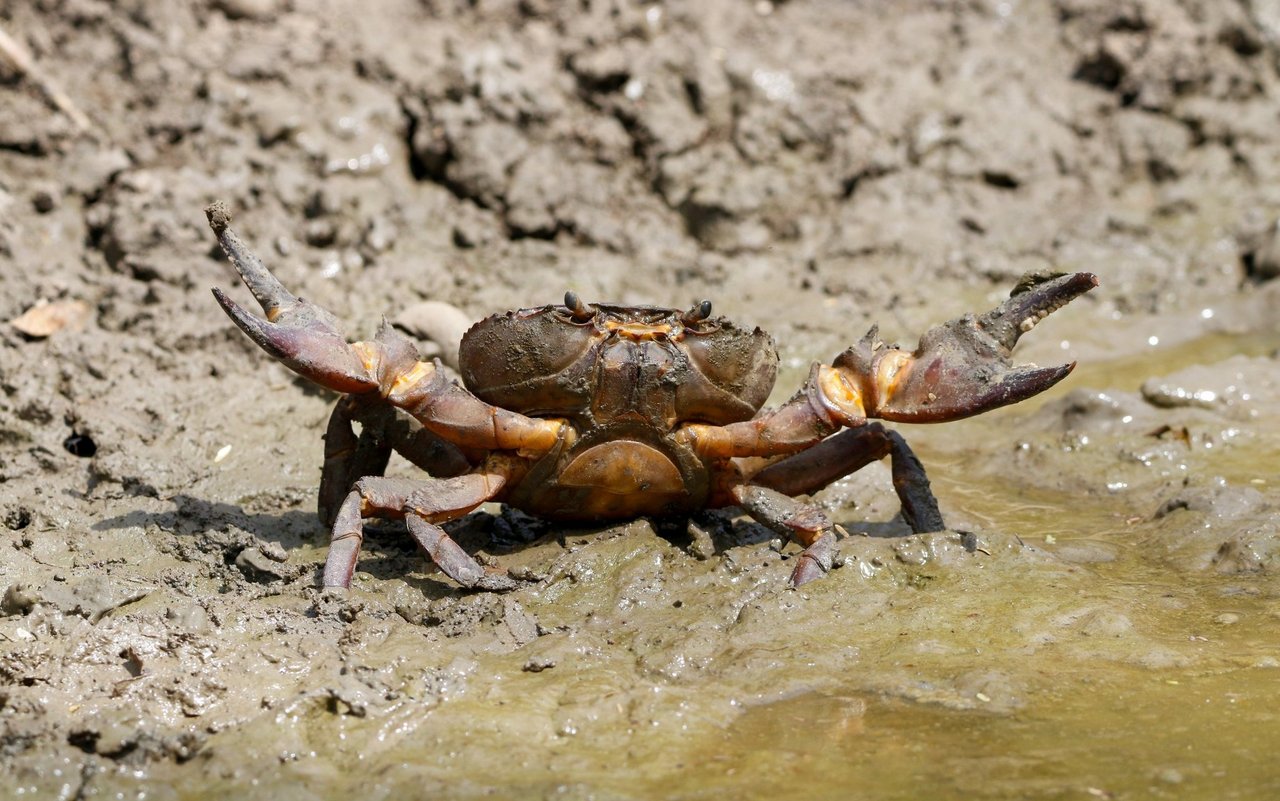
{"x":699,"y":312}
{"x":577,"y":309}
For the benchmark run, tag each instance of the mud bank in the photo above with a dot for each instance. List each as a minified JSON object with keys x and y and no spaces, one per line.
{"x":1102,"y":623}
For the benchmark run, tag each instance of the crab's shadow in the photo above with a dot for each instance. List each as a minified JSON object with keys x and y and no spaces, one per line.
{"x":206,"y":529}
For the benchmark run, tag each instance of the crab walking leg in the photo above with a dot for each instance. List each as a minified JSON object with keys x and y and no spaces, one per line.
{"x":422,"y":504}
{"x":456,"y":563}
{"x":849,"y":451}
{"x":370,"y":497}
{"x":794,"y":520}
{"x":348,"y":457}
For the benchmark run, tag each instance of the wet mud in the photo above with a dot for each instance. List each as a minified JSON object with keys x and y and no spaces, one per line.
{"x":1102,"y":620}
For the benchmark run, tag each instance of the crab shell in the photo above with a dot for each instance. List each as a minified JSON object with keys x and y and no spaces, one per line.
{"x":641,"y":364}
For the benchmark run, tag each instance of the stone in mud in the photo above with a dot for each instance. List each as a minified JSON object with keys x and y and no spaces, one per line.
{"x":261,"y":567}
{"x":257,"y":10}
{"x":18,"y":599}
{"x":1237,"y":386}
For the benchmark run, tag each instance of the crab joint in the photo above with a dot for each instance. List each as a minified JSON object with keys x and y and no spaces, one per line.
{"x":396,"y":369}
{"x":840,"y":396}
{"x":857,"y":388}
{"x":891,"y":370}
{"x":408,"y":380}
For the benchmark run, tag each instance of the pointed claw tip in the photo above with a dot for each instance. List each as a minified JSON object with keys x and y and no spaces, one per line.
{"x":1025,"y":382}
{"x":260,"y":331}
{"x":1032,"y":300}
{"x":1071,"y":283}
{"x":219,"y":216}
{"x":1081,"y":283}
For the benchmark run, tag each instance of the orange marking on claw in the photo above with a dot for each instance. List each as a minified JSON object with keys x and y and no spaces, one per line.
{"x":369,"y":355}
{"x":840,"y":394}
{"x":890,"y":373}
{"x":408,"y":380}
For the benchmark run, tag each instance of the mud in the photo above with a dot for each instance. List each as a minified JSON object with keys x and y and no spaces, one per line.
{"x":1102,"y":622}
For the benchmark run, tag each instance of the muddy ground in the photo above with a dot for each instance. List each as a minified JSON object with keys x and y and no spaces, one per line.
{"x":1112,"y":630}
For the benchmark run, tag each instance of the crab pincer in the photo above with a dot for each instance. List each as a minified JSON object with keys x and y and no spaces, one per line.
{"x":300,"y":334}
{"x":962,"y":367}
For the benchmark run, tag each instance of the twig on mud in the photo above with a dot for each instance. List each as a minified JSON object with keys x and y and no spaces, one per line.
{"x":17,"y":57}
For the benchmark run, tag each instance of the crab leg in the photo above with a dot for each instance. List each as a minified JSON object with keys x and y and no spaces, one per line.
{"x":306,"y":339}
{"x":767,"y":496}
{"x":383,"y":430}
{"x":850,"y":451}
{"x":960,"y":368}
{"x":794,"y":520}
{"x":422,"y":504}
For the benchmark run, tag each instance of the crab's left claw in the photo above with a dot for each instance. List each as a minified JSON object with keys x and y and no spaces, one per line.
{"x":961,"y":367}
{"x":300,"y":334}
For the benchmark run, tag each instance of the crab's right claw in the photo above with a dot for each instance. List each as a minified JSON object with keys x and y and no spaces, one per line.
{"x":301,"y":335}
{"x":963,"y":367}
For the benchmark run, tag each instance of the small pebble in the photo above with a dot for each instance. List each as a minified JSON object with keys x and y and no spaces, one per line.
{"x":18,"y":599}
{"x":538,"y":664}
{"x":274,"y":551}
{"x":44,"y":201}
{"x":1227,"y":619}
{"x":256,"y":566}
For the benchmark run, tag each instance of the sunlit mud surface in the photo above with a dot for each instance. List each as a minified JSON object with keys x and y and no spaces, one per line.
{"x":1101,"y":621}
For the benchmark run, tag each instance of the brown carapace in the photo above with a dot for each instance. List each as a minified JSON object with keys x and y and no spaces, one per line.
{"x":594,"y":412}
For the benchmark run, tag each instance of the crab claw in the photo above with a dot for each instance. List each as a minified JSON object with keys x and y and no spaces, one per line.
{"x":300,"y":334}
{"x":963,"y":367}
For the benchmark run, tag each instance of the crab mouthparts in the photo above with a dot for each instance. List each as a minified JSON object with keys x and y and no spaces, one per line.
{"x":641,"y":332}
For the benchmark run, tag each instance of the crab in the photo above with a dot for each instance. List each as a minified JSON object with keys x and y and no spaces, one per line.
{"x":587,"y":413}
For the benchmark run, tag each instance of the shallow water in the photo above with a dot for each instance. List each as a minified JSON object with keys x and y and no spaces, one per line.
{"x":1122,"y":733}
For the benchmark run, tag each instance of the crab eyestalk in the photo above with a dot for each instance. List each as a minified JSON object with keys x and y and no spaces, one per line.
{"x":577,"y":309}
{"x":960,"y":368}
{"x":699,"y":312}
